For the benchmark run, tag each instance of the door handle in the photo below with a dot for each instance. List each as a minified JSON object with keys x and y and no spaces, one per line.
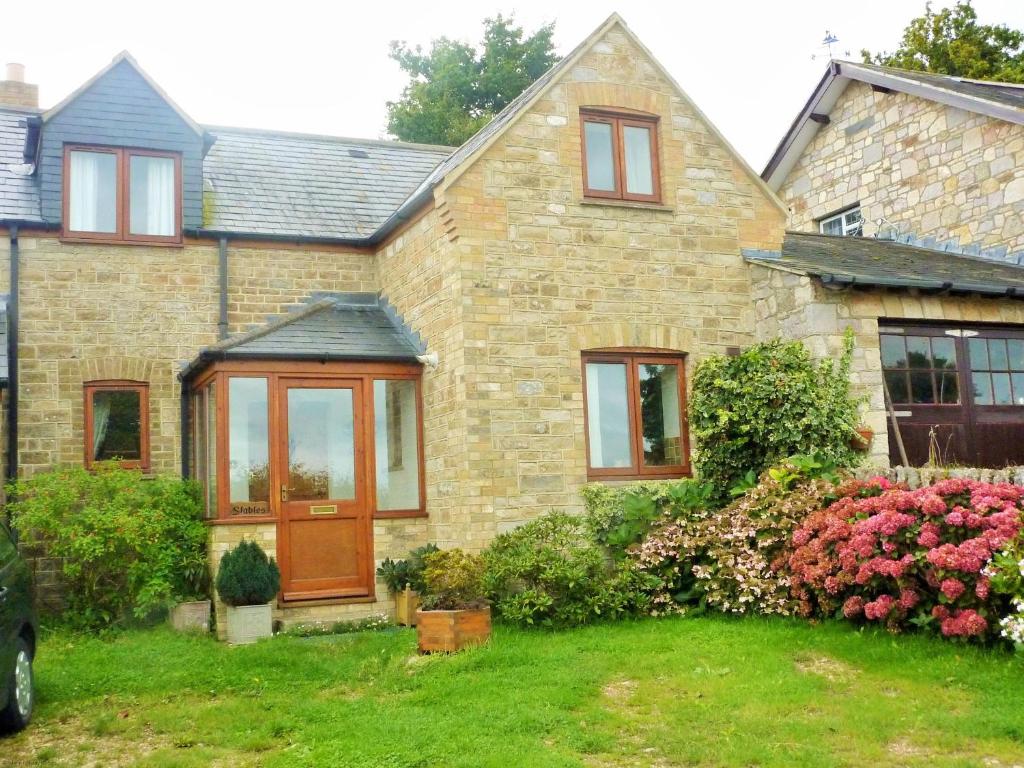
{"x":284,"y":492}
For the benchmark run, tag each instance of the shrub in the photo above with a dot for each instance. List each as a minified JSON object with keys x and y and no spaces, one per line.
{"x":453,"y":580}
{"x":751,"y":411}
{"x":399,"y":574}
{"x":734,"y":559}
{"x":247,"y":576}
{"x":1006,"y":575}
{"x":550,"y":572}
{"x":903,"y":557}
{"x":127,"y":545}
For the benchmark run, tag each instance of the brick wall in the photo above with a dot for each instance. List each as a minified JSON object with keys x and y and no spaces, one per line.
{"x":933,"y":170}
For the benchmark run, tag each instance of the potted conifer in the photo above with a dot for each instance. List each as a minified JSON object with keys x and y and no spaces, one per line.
{"x":404,"y":580}
{"x":247,"y":581}
{"x":455,"y":613}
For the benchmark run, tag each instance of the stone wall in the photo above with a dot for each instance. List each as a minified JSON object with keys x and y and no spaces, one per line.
{"x":932,"y":170}
{"x":921,"y":477}
{"x":797,"y":307}
{"x":546,"y":274}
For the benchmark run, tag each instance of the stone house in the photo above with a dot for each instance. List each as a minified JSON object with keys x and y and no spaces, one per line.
{"x":906,"y":199}
{"x":358,"y":346}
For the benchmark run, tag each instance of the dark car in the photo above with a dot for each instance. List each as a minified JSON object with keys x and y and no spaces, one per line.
{"x":18,"y":632}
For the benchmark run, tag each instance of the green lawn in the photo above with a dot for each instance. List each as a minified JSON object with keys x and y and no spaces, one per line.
{"x":707,"y":691}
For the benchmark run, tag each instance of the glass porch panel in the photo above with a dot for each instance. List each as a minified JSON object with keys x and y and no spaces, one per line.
{"x":396,"y":443}
{"x":248,"y":440}
{"x":321,"y":444}
{"x":660,"y":418}
{"x":211,"y":447}
{"x":608,"y":416}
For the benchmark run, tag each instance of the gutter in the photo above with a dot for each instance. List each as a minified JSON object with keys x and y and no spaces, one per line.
{"x":207,"y":356}
{"x":845,"y":282}
{"x":12,"y":358}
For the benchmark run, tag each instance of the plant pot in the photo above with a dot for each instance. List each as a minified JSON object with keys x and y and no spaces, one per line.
{"x":450,"y":631}
{"x":249,"y":623}
{"x":191,"y":617}
{"x":862,"y":439}
{"x":407,"y":603}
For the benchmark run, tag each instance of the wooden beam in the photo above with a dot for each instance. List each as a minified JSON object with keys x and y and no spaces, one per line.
{"x":820,"y":119}
{"x":880,"y":89}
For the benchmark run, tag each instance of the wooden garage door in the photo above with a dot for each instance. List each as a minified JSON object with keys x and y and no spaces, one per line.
{"x":957,"y":390}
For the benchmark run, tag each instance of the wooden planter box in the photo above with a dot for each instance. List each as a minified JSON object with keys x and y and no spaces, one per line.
{"x":191,"y":617}
{"x":249,"y":623}
{"x":407,"y":603}
{"x":450,"y":631}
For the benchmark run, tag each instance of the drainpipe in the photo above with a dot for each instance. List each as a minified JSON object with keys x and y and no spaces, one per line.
{"x":12,"y":360}
{"x":222,"y":273}
{"x":186,"y":433}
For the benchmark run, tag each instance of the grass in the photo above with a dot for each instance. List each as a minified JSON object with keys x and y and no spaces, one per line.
{"x":673,"y":692}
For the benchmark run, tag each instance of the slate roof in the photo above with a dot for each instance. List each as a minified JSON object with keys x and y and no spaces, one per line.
{"x":19,"y":194}
{"x":869,"y":262}
{"x":1010,"y":94}
{"x":341,"y":326}
{"x":269,"y":183}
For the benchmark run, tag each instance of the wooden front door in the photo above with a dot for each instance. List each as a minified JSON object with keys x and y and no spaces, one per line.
{"x":324,"y":536}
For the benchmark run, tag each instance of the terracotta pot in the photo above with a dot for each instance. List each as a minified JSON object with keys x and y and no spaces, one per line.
{"x":191,"y":617}
{"x":862,"y":440}
{"x":249,"y":623}
{"x":450,"y":631}
{"x":407,"y":603}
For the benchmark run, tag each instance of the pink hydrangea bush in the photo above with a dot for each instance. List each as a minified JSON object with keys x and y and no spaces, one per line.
{"x":898,"y":557}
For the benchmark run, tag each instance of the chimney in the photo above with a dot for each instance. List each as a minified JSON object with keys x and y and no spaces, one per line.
{"x":15,"y":92}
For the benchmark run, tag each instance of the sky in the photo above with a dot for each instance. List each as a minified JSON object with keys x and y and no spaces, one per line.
{"x":323,"y":67}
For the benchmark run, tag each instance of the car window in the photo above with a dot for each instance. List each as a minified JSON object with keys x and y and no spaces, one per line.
{"x":7,"y":548}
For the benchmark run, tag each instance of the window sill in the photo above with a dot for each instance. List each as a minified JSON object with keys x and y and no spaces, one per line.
{"x":241,"y":520}
{"x":72,"y":240}
{"x":683,"y":474}
{"x":399,"y":514}
{"x":612,"y":202}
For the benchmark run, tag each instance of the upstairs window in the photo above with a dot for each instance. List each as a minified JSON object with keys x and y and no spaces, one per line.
{"x":117,"y":423}
{"x":122,"y":195}
{"x":848,"y":223}
{"x":620,"y":156}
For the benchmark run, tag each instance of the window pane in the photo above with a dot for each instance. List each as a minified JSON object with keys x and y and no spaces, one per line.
{"x":659,"y":410}
{"x":832,"y":226}
{"x":199,"y":446}
{"x":853,"y":223}
{"x":949,"y":388}
{"x":211,"y":448}
{"x":396,"y":443}
{"x":896,"y":381}
{"x":248,"y":446}
{"x":92,"y":192}
{"x":321,"y":444}
{"x":921,"y":390}
{"x":1001,"y":389}
{"x":152,"y":196}
{"x":608,"y":415}
{"x":982,"y":384}
{"x":1018,"y":389}
{"x":600,"y":157}
{"x":918,"y":354}
{"x":1016,"y":349}
{"x":639,"y":175}
{"x":944,"y":352}
{"x":116,"y":425}
{"x":997,"y":355}
{"x":978,"y":349}
{"x":893,"y":353}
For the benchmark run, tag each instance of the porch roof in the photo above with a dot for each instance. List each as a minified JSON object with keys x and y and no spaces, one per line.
{"x":328,"y":327}
{"x":869,"y":262}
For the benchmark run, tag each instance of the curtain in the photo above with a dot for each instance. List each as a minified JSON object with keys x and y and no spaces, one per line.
{"x":639,"y":180}
{"x":84,"y":193}
{"x":160,"y":197}
{"x":100,"y":422}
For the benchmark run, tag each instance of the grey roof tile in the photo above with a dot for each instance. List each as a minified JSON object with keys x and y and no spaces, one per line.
{"x":866,"y":261}
{"x":19,"y":195}
{"x":1003,"y":93}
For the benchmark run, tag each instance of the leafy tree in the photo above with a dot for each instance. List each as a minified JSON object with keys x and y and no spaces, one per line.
{"x":951,"y":42}
{"x":454,"y":90}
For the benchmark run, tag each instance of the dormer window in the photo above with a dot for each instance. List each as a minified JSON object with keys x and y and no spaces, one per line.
{"x":848,"y":223}
{"x":620,"y":156}
{"x":129,"y":195}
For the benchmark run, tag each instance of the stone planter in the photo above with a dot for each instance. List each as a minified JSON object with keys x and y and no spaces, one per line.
{"x":248,"y":623}
{"x":862,"y":439}
{"x":407,"y":603}
{"x":450,"y":631}
{"x":191,"y":617}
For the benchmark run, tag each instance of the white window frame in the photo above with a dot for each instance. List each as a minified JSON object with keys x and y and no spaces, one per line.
{"x":850,"y":228}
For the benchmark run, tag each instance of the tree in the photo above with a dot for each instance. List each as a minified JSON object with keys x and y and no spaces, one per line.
{"x":951,"y":42}
{"x":455,"y":89}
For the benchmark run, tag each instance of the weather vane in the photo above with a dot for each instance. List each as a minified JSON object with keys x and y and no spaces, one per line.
{"x":827,"y":43}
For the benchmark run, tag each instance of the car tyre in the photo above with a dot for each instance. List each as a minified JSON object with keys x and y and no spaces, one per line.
{"x":18,"y":712}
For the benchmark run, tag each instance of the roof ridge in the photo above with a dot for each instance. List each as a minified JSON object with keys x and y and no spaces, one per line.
{"x":440,"y":148}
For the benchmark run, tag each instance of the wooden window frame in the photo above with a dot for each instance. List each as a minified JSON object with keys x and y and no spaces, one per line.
{"x":633,"y":358}
{"x":618,"y":121}
{"x":122,"y":234}
{"x":90,"y":388}
{"x":367,"y":372}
